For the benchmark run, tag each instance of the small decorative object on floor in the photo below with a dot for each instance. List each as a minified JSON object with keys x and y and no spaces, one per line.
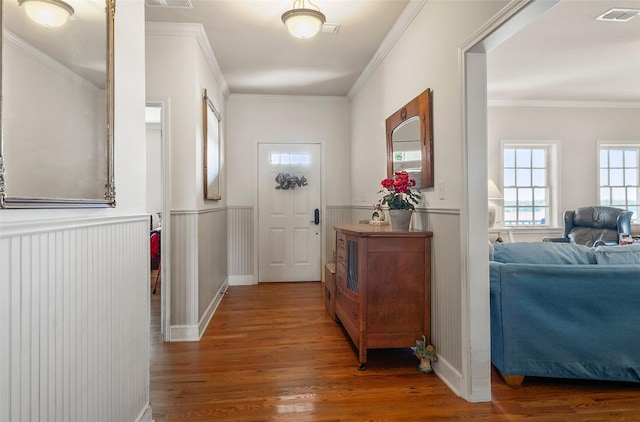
{"x":427,"y":354}
{"x":398,"y":196}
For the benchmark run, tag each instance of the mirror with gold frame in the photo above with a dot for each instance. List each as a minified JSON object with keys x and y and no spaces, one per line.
{"x":56,"y":113}
{"x":211,"y":136}
{"x":410,"y":140}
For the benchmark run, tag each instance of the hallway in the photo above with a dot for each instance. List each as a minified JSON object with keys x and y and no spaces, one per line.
{"x":271,"y":353}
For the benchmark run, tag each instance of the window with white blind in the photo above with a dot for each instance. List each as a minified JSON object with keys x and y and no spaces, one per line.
{"x":526,"y":180}
{"x":619,"y":176}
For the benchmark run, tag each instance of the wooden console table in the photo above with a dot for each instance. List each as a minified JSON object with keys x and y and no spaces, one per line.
{"x":383,"y":286}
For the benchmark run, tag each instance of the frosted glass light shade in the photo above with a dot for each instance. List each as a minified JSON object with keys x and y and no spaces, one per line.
{"x":48,"y":13}
{"x":303,"y":23}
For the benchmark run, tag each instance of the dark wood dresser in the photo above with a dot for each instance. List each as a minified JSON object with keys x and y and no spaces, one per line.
{"x":383,"y":286}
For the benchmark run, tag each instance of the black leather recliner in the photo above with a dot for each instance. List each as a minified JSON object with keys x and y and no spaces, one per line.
{"x":594,"y":226}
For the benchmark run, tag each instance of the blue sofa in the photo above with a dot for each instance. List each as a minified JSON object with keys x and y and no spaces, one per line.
{"x":565,"y":310}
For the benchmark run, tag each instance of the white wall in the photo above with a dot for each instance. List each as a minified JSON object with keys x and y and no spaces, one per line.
{"x":84,"y":248}
{"x":576,"y":130}
{"x":263,"y":118}
{"x":170,"y":74}
{"x":254,"y":118}
{"x":427,"y":56}
{"x":179,"y":67}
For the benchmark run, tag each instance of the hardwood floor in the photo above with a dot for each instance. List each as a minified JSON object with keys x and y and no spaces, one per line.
{"x":271,"y":353}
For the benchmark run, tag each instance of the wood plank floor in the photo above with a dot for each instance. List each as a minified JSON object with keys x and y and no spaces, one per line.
{"x":271,"y":353}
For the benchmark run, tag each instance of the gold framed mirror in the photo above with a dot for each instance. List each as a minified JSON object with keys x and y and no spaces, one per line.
{"x":56,"y":113}
{"x":410,"y":140}
{"x":211,"y":137}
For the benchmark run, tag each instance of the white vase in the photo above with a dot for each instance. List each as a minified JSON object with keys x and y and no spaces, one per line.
{"x":400,"y":219}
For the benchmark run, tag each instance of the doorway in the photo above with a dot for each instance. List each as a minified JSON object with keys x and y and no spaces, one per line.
{"x":475,"y":277}
{"x":157,"y":201}
{"x":289,"y":208}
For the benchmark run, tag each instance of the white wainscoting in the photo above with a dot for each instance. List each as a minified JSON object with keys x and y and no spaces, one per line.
{"x":198,"y":270}
{"x":184,"y":275}
{"x":446,"y":291}
{"x":241,"y":246}
{"x":74,"y":320}
{"x":212,"y":263}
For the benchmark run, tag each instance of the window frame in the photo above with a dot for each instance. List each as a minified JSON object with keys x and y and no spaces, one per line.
{"x":619,"y":145}
{"x":552,"y":177}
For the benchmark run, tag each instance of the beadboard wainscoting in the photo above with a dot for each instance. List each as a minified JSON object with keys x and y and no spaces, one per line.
{"x":74,"y":319}
{"x":446,"y":291}
{"x":212,"y":263}
{"x":198,"y":270}
{"x":242,"y":265}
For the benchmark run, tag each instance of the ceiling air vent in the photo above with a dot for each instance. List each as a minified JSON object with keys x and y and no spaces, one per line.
{"x":330,"y":28}
{"x":182,"y":4}
{"x":619,"y":15}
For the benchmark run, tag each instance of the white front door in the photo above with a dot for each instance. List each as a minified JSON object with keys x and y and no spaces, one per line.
{"x":288,"y":229}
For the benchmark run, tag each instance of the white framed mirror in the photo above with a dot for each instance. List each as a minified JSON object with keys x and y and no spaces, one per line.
{"x":56,"y":114}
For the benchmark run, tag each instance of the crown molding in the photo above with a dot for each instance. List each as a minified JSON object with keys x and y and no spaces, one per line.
{"x":197,"y":31}
{"x":408,"y":15}
{"x":564,"y":104}
{"x":291,"y":98}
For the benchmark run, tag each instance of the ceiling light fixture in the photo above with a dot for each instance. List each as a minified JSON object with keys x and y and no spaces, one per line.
{"x":47,"y":12}
{"x":303,"y":22}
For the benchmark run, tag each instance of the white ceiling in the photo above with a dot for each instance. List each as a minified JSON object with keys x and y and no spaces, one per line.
{"x":257,"y":55}
{"x":565,"y":55}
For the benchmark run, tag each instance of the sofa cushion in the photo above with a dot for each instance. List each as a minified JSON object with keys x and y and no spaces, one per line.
{"x":544,"y":253}
{"x":618,"y":255}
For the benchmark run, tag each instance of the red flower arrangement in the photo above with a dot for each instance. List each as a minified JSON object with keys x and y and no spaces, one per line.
{"x":397,"y":192}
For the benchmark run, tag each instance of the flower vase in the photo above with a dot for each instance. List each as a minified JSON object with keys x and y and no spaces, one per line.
{"x":425,"y":366}
{"x":400,"y":219}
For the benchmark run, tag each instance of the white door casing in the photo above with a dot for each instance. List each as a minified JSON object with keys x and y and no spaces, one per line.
{"x":289,"y":239}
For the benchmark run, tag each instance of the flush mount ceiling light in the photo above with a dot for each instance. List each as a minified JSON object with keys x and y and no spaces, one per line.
{"x":47,"y":12}
{"x":303,"y":22}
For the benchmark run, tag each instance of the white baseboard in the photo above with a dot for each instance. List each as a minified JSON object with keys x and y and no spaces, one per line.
{"x":454,"y":380}
{"x":146,"y":415}
{"x":449,"y":375}
{"x":184,"y":333}
{"x":241,"y":280}
{"x":211,"y":309}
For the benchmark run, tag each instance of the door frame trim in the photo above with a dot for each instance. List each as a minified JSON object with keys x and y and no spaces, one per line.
{"x":475,"y":383}
{"x":164,"y":103}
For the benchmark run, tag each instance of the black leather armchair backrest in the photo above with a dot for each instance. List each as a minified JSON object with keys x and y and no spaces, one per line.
{"x":612,"y":221}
